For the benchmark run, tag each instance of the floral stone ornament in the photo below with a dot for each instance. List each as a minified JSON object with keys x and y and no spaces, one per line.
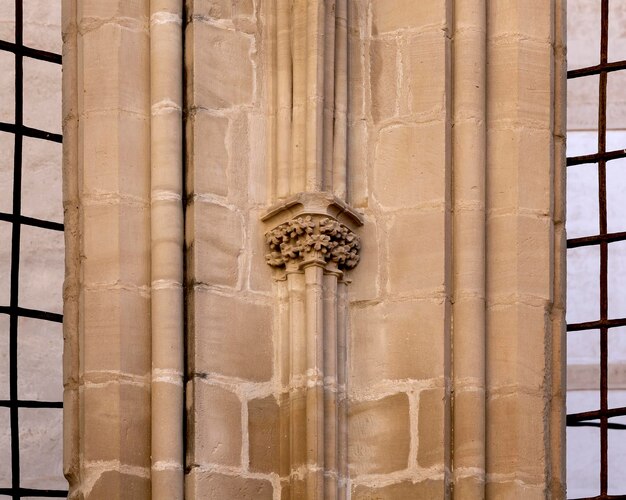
{"x":307,"y":237}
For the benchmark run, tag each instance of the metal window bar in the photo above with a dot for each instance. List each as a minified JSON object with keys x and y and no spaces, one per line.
{"x":13,"y":310}
{"x":600,"y":418}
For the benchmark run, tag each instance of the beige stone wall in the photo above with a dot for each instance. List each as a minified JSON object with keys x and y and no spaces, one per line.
{"x":232,"y":414}
{"x":434,"y":367}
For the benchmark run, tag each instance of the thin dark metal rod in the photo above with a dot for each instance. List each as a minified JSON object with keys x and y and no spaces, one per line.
{"x":22,"y":312}
{"x":597,"y":69}
{"x":604,"y":251}
{"x":586,"y":241}
{"x":12,"y":128}
{"x":31,"y":221}
{"x":595,"y":414}
{"x":24,"y":403}
{"x":596,"y":157}
{"x":29,"y":492}
{"x":611,"y":426}
{"x":594,"y":325}
{"x":41,"y":55}
{"x":15,"y":251}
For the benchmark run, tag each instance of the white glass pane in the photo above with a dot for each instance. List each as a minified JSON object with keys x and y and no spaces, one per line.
{"x":41,"y":448}
{"x":582,"y":200}
{"x":41,"y":269}
{"x":583,"y":284}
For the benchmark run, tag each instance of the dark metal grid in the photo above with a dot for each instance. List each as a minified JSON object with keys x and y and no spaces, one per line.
{"x":13,"y":310}
{"x":600,"y":418}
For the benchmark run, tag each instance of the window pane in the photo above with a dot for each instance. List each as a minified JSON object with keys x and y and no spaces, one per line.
{"x":583,"y":459}
{"x":41,"y":180}
{"x":39,"y":360}
{"x":583,"y":284}
{"x":582,"y":201}
{"x":41,"y":269}
{"x":41,"y":448}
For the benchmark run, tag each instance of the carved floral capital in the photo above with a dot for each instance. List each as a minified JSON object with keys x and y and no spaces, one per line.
{"x":312,"y":237}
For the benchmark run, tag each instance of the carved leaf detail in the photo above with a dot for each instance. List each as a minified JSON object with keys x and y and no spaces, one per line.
{"x":326,"y":238}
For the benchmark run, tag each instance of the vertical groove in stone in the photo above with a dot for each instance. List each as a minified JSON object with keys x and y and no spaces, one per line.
{"x":339,"y":171}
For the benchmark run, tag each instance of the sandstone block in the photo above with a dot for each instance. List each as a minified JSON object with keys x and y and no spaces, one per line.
{"x":515,"y":358}
{"x":108,"y":83}
{"x":379,"y":435}
{"x":116,"y":423}
{"x":116,"y":154}
{"x":211,"y":485}
{"x":223,"y":9}
{"x":366,"y":276}
{"x":399,"y":340}
{"x":223,"y":76}
{"x":424,"y":490}
{"x":115,"y":244}
{"x":512,"y":18}
{"x":433,"y":428}
{"x":520,"y":247}
{"x":410,"y":165}
{"x":525,"y":63}
{"x":233,"y":337}
{"x":516,"y":435}
{"x":515,"y":489}
{"x":425,"y":58}
{"x":384,"y":69}
{"x":519,"y":172}
{"x":116,"y":332}
{"x":392,"y":15}
{"x":418,"y":253}
{"x":217,"y":426}
{"x":208,"y":155}
{"x":115,"y":484}
{"x":135,"y":9}
{"x":217,"y":244}
{"x":264,"y":434}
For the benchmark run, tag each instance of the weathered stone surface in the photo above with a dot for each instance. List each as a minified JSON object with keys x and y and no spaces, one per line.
{"x":223,"y":76}
{"x":233,"y":337}
{"x":384,"y":77}
{"x":264,"y":434}
{"x":392,"y":15}
{"x":217,"y":425}
{"x":208,"y":154}
{"x":217,"y":244}
{"x":424,"y":490}
{"x":387,"y":340}
{"x":379,"y":435}
{"x":433,"y":429}
{"x":115,"y":484}
{"x":410,"y":165}
{"x":115,"y":311}
{"x":119,"y":254}
{"x":114,"y":430}
{"x":211,"y":485}
{"x":417,"y":263}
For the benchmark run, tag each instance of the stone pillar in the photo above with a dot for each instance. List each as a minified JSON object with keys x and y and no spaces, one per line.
{"x":124,"y":233}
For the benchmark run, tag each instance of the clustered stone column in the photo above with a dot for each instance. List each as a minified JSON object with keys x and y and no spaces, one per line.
{"x":312,"y":251}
